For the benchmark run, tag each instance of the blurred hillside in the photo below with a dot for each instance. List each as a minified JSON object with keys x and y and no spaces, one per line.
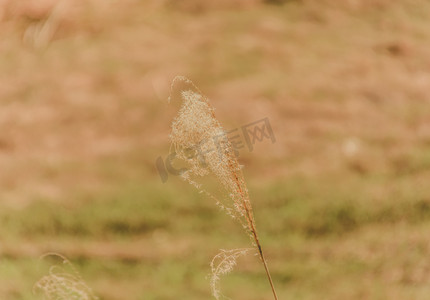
{"x":341,"y":199}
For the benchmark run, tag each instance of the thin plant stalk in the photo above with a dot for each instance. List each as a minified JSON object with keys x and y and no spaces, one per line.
{"x":251,"y":225}
{"x":196,"y":129}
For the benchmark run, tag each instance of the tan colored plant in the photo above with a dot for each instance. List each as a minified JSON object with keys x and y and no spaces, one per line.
{"x":223,"y":263}
{"x":39,"y":35}
{"x":63,"y":283}
{"x":199,"y":139}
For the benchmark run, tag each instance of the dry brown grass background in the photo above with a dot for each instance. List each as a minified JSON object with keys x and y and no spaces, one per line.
{"x":83,"y":117}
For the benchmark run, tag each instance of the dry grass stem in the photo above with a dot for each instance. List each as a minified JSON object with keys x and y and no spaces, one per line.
{"x":39,"y":35}
{"x":199,"y":139}
{"x":222,"y":264}
{"x":64,"y":283}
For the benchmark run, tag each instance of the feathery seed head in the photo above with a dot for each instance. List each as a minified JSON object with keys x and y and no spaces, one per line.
{"x":199,"y":139}
{"x":64,"y":283}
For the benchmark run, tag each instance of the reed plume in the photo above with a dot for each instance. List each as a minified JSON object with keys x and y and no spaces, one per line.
{"x":63,"y":282}
{"x":223,"y":263}
{"x":199,"y":139}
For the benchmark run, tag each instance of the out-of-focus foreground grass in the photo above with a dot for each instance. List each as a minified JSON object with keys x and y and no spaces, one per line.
{"x":342,"y":199}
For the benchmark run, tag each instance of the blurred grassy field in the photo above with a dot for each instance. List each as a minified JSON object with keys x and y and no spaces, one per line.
{"x":342,"y":199}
